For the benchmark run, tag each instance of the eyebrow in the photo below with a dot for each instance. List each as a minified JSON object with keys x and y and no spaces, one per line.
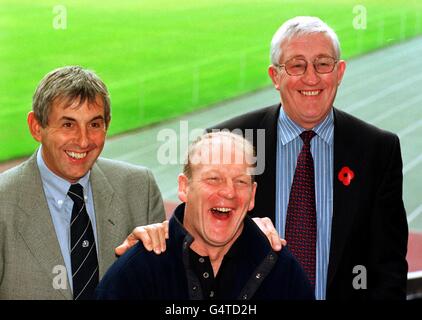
{"x":97,"y":118}
{"x":297,"y":56}
{"x":301,"y":56}
{"x":73,"y":119}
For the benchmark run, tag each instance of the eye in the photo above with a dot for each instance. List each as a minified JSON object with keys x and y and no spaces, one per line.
{"x":324,"y":62}
{"x":242,"y":182}
{"x":297,"y":63}
{"x":297,"y":66}
{"x":213,"y":180}
{"x":67,"y":125}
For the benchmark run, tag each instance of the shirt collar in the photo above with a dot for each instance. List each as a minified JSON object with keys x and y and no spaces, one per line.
{"x":57,"y":186}
{"x":290,"y":130}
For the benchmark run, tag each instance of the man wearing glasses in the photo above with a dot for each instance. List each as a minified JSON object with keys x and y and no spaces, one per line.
{"x":332,"y":183}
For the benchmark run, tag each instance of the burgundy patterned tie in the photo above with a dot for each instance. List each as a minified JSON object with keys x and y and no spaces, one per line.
{"x":301,"y":211}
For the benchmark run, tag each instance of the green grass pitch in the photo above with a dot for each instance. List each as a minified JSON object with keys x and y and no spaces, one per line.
{"x":161,"y":59}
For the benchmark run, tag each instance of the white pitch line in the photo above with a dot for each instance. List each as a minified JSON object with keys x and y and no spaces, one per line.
{"x":381,"y":94}
{"x":363,"y":81}
{"x":412,"y":164}
{"x":410,"y":103}
{"x":414,"y":214}
{"x":415,"y":125}
{"x":136,"y":153}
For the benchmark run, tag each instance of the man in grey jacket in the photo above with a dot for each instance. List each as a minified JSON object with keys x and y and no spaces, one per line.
{"x":39,"y":258}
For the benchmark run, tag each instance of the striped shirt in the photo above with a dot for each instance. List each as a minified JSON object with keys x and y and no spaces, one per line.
{"x":61,"y":205}
{"x":289,"y":145}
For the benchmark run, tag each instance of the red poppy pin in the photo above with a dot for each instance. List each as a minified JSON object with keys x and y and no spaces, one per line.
{"x":346,"y":175}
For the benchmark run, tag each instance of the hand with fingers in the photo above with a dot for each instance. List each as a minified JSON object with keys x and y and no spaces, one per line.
{"x":267,"y":227}
{"x":153,"y":237}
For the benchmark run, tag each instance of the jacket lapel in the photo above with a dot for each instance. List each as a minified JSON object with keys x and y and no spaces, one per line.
{"x":35,"y":225}
{"x":265,"y":198}
{"x":107,"y":213}
{"x":345,"y":154}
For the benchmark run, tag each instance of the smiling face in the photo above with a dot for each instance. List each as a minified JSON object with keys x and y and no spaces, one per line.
{"x":217,"y":197}
{"x":73,"y":138}
{"x":307,"y":98}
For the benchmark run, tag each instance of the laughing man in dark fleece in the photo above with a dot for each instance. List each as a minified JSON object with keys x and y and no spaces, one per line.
{"x":214,"y":250}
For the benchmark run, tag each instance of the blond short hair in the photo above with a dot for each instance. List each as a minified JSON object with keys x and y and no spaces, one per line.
{"x":246,"y":155}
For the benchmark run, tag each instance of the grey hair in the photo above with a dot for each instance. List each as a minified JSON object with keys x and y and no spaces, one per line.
{"x":299,"y":26}
{"x":247,"y":149}
{"x":70,"y":83}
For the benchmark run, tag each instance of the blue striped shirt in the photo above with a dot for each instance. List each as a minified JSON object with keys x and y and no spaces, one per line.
{"x":289,"y":145}
{"x":61,"y":205}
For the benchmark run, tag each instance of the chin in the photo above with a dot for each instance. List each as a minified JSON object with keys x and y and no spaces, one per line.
{"x":217,"y":242}
{"x":314,"y":115}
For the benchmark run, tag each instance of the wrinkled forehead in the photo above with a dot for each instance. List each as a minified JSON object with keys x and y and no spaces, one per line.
{"x":319,"y":43}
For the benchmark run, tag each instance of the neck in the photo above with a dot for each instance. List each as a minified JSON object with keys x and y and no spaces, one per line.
{"x":216,"y":254}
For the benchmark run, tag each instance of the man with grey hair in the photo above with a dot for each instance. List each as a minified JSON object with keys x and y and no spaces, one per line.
{"x":214,"y":250}
{"x":332,"y":183}
{"x":64,"y":210}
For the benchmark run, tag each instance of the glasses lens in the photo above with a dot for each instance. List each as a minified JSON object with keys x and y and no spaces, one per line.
{"x":296,"y":67}
{"x":324,"y":64}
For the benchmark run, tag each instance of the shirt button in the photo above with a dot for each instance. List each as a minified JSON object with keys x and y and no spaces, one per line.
{"x":258,"y":275}
{"x":206,"y":275}
{"x":194,"y":288}
{"x":201,"y":260}
{"x":60,"y":202}
{"x":245,"y":296}
{"x":211,"y":294}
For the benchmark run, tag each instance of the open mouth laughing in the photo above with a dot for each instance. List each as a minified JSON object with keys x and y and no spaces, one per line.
{"x":221,"y":213}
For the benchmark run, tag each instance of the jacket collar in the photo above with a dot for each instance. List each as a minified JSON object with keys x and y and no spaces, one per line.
{"x":35,"y":224}
{"x":108,"y":210}
{"x":345,"y":154}
{"x":251,"y":247}
{"x":265,"y":202}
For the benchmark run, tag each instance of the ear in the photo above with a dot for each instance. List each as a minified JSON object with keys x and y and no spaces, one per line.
{"x":341,"y":68}
{"x":108,"y":124}
{"x":183,"y":182}
{"x":273,"y":73}
{"x":252,"y":201}
{"x":34,"y":126}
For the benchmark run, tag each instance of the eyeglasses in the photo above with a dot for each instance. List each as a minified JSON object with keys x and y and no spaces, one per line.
{"x":297,"y":67}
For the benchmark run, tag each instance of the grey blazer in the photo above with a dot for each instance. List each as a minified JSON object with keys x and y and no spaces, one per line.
{"x":125,"y":196}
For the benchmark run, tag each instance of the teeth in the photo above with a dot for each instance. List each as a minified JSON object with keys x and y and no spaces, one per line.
{"x":310,"y":93}
{"x":76,"y":155}
{"x":222,"y":209}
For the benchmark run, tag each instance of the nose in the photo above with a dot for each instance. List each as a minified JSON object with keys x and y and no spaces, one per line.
{"x":83,"y":138}
{"x":311,"y":77}
{"x":227,"y":190}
